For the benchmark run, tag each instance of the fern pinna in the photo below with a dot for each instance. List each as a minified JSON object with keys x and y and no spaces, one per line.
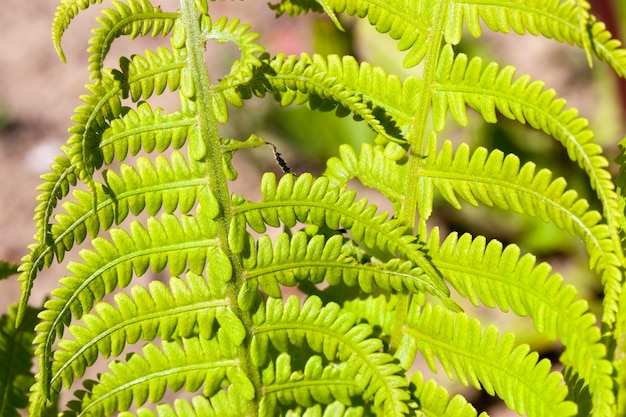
{"x":377,"y":290}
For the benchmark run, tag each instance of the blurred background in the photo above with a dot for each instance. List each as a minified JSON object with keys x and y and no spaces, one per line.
{"x":38,"y":94}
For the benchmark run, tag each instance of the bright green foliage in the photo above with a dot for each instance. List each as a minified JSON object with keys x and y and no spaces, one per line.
{"x":330,"y":315}
{"x":16,"y":376}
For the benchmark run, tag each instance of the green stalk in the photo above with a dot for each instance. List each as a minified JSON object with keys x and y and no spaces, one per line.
{"x":218,"y":183}
{"x":417,"y":139}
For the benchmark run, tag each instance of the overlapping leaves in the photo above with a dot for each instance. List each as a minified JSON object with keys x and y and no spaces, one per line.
{"x":488,"y":360}
{"x":488,"y":274}
{"x":312,"y":201}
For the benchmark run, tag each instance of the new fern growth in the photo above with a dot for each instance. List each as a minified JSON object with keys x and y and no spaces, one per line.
{"x":376,"y":290}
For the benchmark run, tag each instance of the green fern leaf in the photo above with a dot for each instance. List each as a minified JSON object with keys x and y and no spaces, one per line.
{"x":532,"y":194}
{"x":153,"y":72}
{"x":296,"y":7}
{"x":164,"y":185}
{"x":434,"y":400}
{"x":180,"y":243}
{"x":225,"y":30}
{"x":377,"y":310}
{"x":290,"y":260}
{"x":376,"y":166}
{"x":101,"y":105}
{"x":489,"y":89}
{"x":222,"y":404}
{"x":65,"y":13}
{"x":56,"y":186}
{"x":410,"y":29}
{"x":327,"y":84}
{"x":334,"y":334}
{"x":487,"y":360}
{"x":7,"y":269}
{"x":488,"y":274}
{"x":144,"y":130}
{"x":193,"y":364}
{"x":186,"y":308}
{"x":486,"y":90}
{"x":16,"y":376}
{"x":133,"y":18}
{"x":568,"y":21}
{"x":475,"y":178}
{"x":317,"y":383}
{"x":494,"y":179}
{"x":312,"y":201}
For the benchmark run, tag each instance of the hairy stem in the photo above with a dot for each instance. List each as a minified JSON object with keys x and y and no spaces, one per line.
{"x":217,"y":181}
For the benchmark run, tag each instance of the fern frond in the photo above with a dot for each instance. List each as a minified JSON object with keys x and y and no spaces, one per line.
{"x":313,"y":201}
{"x":180,"y":243}
{"x":495,"y":180}
{"x":489,"y":89}
{"x":295,"y":8}
{"x":335,"y":334}
{"x":144,"y":129}
{"x":153,"y":72}
{"x":407,"y":26}
{"x":490,"y":178}
{"x":139,"y":77}
{"x":65,"y":13}
{"x":335,"y":409}
{"x":242,"y":70}
{"x":488,"y":360}
{"x":185,"y":308}
{"x":222,"y":404}
{"x":290,"y":260}
{"x":316,"y":383}
{"x":102,"y":105}
{"x":164,"y":185}
{"x":195,"y":364}
{"x":377,"y":310}
{"x":567,"y":21}
{"x":475,"y":178}
{"x":326,"y":84}
{"x":57,"y":184}
{"x":232,"y":30}
{"x":488,"y":274}
{"x":132,"y":18}
{"x":486,"y":90}
{"x":607,"y":48}
{"x":17,"y":351}
{"x":375,"y":166}
{"x":435,"y":401}
{"x":552,"y":19}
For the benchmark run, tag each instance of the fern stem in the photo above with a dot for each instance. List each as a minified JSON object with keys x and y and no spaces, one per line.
{"x":417,"y":135}
{"x":417,"y":141}
{"x":217,"y":182}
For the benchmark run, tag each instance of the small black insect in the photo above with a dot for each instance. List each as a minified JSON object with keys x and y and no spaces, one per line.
{"x":280,"y":161}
